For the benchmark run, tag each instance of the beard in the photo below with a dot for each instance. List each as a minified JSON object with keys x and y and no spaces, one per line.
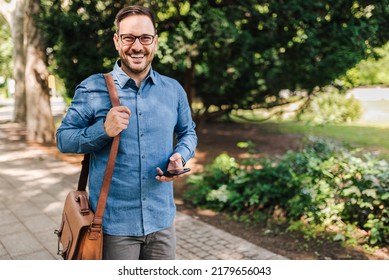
{"x":129,"y":64}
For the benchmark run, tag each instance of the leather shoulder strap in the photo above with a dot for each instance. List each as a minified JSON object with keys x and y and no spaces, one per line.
{"x":83,"y":179}
{"x":98,"y":218}
{"x":113,"y":95}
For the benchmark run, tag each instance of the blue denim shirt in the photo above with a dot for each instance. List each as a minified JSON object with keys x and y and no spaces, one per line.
{"x":137,"y":204}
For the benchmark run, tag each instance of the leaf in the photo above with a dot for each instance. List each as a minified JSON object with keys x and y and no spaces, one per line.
{"x":353,"y":190}
{"x":370,"y":192}
{"x":339,"y":237}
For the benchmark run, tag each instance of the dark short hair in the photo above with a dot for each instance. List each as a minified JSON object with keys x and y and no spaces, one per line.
{"x":134,"y":10}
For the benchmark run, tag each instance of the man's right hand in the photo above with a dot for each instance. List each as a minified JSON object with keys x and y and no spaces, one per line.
{"x":117,"y":120}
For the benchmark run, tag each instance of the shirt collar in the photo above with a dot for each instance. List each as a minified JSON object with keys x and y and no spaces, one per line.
{"x":123,"y":78}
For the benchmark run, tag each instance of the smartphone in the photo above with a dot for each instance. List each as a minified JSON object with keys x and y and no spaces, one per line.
{"x":176,"y":172}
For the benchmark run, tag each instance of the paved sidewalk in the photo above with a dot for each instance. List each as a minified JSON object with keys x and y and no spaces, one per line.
{"x":33,"y":187}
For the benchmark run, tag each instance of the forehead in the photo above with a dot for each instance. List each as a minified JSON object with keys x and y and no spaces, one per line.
{"x":136,"y":24}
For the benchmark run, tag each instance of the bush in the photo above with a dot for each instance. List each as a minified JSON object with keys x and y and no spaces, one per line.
{"x":324,"y":184}
{"x":331,"y":108}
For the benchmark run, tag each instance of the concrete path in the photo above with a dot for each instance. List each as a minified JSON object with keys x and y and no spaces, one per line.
{"x":33,"y":187}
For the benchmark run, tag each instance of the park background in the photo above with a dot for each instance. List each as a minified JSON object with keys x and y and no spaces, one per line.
{"x":290,"y":100}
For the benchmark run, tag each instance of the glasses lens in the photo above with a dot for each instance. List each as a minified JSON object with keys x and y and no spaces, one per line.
{"x":130,"y":39}
{"x":146,"y":39}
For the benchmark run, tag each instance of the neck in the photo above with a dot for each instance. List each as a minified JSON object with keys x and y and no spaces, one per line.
{"x":138,"y":77}
{"x":137,"y":80}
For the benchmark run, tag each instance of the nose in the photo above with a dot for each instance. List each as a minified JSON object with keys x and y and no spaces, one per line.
{"x":137,"y":45}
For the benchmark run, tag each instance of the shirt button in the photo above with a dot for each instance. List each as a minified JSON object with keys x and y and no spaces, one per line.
{"x":143,"y":156}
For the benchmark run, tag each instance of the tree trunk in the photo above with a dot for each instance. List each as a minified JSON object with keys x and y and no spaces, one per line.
{"x":13,"y":12}
{"x":40,"y":122}
{"x":17,"y":30}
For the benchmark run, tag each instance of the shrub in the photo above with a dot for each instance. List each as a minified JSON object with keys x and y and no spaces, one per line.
{"x":331,"y":108}
{"x":324,"y":184}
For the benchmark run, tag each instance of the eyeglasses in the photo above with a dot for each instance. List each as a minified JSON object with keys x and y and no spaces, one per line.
{"x":128,"y":39}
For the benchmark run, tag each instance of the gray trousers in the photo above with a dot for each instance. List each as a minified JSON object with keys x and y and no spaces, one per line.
{"x":160,"y":245}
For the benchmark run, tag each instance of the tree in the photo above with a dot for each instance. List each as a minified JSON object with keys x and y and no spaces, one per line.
{"x":245,"y":53}
{"x":32,"y":99}
{"x":237,"y":54}
{"x":80,"y":35}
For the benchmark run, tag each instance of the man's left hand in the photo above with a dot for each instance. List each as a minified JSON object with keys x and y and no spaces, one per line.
{"x":175,"y":162}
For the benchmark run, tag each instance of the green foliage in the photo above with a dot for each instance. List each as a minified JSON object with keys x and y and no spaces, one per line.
{"x":236,"y":54}
{"x":325,"y":185}
{"x":371,"y":71}
{"x":213,"y":192}
{"x":331,"y":107}
{"x":79,"y":38}
{"x":5,"y":49}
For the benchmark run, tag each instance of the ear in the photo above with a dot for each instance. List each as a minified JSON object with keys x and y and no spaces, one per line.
{"x":116,"y":41}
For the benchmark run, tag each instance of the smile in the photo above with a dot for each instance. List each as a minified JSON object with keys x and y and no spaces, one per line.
{"x":137,"y":56}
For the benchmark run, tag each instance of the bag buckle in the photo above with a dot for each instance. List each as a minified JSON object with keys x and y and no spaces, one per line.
{"x":95,"y":231}
{"x":95,"y":227}
{"x":84,"y":206}
{"x":60,"y":252}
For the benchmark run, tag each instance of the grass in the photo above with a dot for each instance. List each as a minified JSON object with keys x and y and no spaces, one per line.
{"x":365,"y":136}
{"x":372,"y":137}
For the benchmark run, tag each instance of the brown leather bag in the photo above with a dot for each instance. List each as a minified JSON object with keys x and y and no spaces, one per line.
{"x":80,"y":236}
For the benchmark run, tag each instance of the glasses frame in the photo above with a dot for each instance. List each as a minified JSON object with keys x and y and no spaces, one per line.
{"x":136,"y":37}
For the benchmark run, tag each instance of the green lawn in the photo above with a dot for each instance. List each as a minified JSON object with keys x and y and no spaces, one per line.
{"x":374,"y":136}
{"x":371,"y":137}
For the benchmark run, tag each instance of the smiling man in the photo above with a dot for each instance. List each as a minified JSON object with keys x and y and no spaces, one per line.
{"x":140,"y":210}
{"x":136,"y":41}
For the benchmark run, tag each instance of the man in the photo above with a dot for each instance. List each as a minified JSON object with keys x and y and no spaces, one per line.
{"x":140,"y":210}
